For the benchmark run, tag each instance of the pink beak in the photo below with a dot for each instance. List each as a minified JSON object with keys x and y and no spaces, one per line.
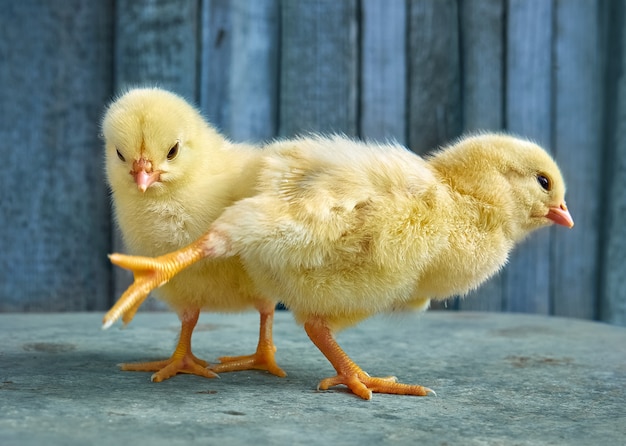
{"x":143,"y":174}
{"x":561,"y":216}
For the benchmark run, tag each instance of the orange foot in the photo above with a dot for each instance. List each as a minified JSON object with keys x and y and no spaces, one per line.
{"x":149,"y":273}
{"x":361,"y":384}
{"x":181,"y":361}
{"x":260,"y":360}
{"x":350,"y":374}
{"x":169,"y":367}
{"x":263,"y":358}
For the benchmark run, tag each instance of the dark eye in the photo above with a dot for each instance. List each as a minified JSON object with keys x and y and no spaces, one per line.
{"x":544,"y":182}
{"x":173,"y":152}
{"x":120,"y":156}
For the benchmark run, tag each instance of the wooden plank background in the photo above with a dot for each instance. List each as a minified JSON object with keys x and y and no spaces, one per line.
{"x":421,"y":72}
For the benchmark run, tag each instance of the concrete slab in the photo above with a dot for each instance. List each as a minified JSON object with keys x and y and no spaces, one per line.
{"x":500,"y":379}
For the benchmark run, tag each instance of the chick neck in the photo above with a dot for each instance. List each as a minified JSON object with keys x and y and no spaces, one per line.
{"x":479,"y":185}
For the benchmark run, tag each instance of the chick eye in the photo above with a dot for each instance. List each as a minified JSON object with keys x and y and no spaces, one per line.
{"x":120,"y":156}
{"x":173,"y":152}
{"x":544,"y":182}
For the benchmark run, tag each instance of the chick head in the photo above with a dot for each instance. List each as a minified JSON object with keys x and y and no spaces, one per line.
{"x":151,"y":140}
{"x":514,"y":173}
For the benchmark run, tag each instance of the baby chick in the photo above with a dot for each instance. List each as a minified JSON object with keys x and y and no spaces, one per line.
{"x":342,"y":230}
{"x":171,"y":175}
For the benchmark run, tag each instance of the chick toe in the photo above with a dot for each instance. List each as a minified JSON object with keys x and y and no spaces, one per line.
{"x":363,"y":385}
{"x":263,"y":358}
{"x":149,"y":273}
{"x":348,"y":372}
{"x":182,"y":360}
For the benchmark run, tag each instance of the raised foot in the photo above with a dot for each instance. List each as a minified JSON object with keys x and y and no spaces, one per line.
{"x":363,"y":385}
{"x":261,"y":360}
{"x":149,"y":273}
{"x":169,"y":367}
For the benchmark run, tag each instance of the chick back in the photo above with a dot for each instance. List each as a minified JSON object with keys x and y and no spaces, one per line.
{"x":340,"y":228}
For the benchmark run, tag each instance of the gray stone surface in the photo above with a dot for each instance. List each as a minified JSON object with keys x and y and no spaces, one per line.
{"x":500,"y":379}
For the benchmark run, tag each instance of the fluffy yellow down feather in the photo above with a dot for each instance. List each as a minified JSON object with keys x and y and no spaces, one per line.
{"x":341,"y":230}
{"x":171,"y":175}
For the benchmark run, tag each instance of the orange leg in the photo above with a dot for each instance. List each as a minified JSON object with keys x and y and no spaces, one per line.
{"x":350,"y":374}
{"x":182,"y":360}
{"x":149,"y":273}
{"x":263,"y":358}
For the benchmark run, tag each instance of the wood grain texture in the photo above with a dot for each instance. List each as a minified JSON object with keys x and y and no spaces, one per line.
{"x":319,"y":67}
{"x":419,"y":71}
{"x":529,"y":114}
{"x":215,"y":61}
{"x":613,"y":290}
{"x":434,"y":116}
{"x":253,"y":82}
{"x":578,"y":141}
{"x":482,"y":65}
{"x":155,"y":44}
{"x":56,"y":78}
{"x":383,"y":71}
{"x":482,"y":57}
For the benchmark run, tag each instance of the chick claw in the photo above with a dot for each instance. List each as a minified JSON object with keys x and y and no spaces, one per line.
{"x":149,"y":273}
{"x":262,"y":359}
{"x":363,"y":385}
{"x":182,"y":360}
{"x":350,"y":374}
{"x":169,"y":367}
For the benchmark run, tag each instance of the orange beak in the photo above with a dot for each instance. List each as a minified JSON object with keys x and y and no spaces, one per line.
{"x":143,"y":174}
{"x":561,"y":216}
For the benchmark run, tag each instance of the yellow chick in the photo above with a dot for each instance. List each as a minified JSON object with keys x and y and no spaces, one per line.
{"x":171,"y":175}
{"x":340,"y":230}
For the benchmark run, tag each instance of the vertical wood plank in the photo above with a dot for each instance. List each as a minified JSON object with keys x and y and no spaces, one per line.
{"x":215,"y":61}
{"x":318,"y":68}
{"x":578,"y":143}
{"x":383,"y":70}
{"x":434,"y":74}
{"x":56,"y":77}
{"x":613,"y":291}
{"x":155,"y":45}
{"x":528,"y":114}
{"x":482,"y":57}
{"x":253,"y":89}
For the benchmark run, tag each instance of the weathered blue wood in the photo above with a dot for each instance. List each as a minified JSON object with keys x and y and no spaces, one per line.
{"x":55,"y":73}
{"x":528,"y":114}
{"x":383,"y":71}
{"x":613,"y":260}
{"x":253,"y":82}
{"x":434,"y":115}
{"x":482,"y":50}
{"x":318,"y":67}
{"x":578,"y":144}
{"x":420,"y":71}
{"x":482,"y":56}
{"x":156,"y":45}
{"x":215,"y":61}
